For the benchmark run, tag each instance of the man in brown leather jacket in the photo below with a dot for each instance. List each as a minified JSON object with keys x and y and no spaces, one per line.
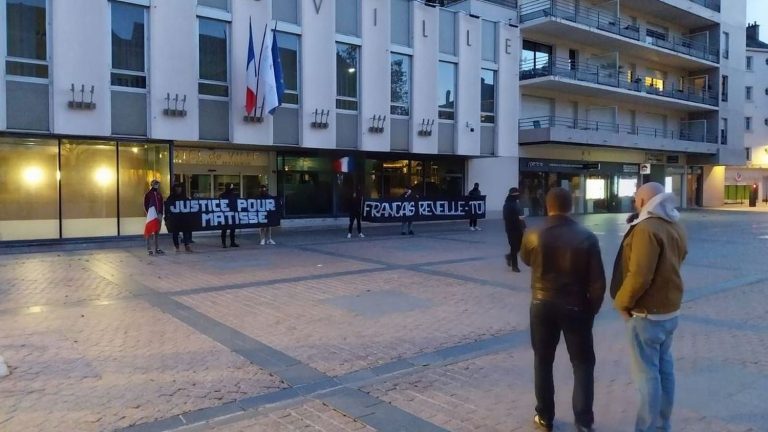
{"x":568,"y":285}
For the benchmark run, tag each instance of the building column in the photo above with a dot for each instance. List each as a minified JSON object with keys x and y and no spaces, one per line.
{"x":714,"y":185}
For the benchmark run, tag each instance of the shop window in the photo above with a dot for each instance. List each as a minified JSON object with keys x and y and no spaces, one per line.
{"x":138,"y":165}
{"x":595,"y":189}
{"x":29,"y":187}
{"x":306,"y":185}
{"x":88,"y":189}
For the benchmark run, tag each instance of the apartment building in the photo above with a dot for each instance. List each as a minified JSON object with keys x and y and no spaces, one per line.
{"x":740,"y":180}
{"x":616,"y":93}
{"x":98,"y":97}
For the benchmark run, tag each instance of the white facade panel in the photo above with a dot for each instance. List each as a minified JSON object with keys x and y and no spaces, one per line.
{"x":426,"y":40}
{"x":81,"y":36}
{"x":507,"y":90}
{"x":757,"y":109}
{"x":468,"y":88}
{"x":495,"y":175}
{"x":173,"y":68}
{"x":258,"y":12}
{"x":732,"y":21}
{"x":376,"y":78}
{"x":318,"y":72}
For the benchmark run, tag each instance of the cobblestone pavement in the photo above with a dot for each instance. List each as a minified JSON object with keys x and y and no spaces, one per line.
{"x":322,"y":333}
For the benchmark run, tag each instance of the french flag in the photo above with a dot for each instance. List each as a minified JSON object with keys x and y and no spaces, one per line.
{"x":343,"y":165}
{"x":153,"y":223}
{"x":250,"y":73}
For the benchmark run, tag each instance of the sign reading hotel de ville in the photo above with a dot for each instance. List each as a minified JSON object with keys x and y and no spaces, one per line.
{"x":398,"y":209}
{"x":216,"y":214}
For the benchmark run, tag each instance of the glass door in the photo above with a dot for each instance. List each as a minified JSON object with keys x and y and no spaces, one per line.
{"x":222,"y":181}
{"x":200,"y":186}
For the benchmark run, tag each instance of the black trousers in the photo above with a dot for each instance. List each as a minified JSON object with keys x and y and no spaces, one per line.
{"x":186,"y":238}
{"x":548,"y":320}
{"x":514,"y":239}
{"x":352,"y":219}
{"x":224,"y":237}
{"x":473,"y":222}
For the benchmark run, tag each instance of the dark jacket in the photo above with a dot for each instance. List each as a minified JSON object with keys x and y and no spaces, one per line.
{"x":512,"y":222}
{"x":169,"y":202}
{"x":565,"y":261}
{"x":153,"y":198}
{"x":355,"y":204}
{"x":475,"y":192}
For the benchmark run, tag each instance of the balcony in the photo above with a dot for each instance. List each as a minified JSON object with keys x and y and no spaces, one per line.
{"x":550,"y":129}
{"x":611,"y":82}
{"x":709,"y":4}
{"x":599,"y":27}
{"x":512,"y":4}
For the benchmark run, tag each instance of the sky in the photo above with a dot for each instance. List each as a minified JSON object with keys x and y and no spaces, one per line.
{"x":757,"y":10}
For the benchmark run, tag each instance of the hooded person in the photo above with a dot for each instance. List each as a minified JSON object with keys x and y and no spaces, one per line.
{"x":230,"y":193}
{"x":514,"y":226}
{"x":355,"y":208}
{"x":174,"y":226}
{"x":648,"y":289}
{"x":154,"y":199}
{"x":474,"y":193}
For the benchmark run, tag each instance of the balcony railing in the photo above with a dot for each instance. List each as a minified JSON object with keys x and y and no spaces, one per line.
{"x":609,"y":22}
{"x":547,"y":122}
{"x":613,"y":77}
{"x":709,"y":4}
{"x":512,"y":4}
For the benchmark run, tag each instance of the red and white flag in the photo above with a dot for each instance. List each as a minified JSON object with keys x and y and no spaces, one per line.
{"x":153,"y":223}
{"x":250,"y":74}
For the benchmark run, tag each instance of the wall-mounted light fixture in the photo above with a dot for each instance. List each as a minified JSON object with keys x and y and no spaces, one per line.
{"x":74,"y":103}
{"x":175,"y":111}
{"x":323,"y":123}
{"x":425,"y":127}
{"x":377,"y":123}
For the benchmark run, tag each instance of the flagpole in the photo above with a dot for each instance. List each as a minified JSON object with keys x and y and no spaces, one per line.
{"x":258,"y":70}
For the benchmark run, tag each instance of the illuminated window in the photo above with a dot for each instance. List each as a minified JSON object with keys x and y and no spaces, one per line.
{"x":656,"y":83}
{"x":627,"y":187}
{"x":596,"y":189}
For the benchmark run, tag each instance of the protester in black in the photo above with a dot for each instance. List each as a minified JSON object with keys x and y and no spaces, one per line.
{"x":229,"y":194}
{"x":408,"y":195}
{"x":568,"y":285}
{"x":474,"y":193}
{"x":354,"y":206}
{"x":177,"y":195}
{"x":514,"y":226}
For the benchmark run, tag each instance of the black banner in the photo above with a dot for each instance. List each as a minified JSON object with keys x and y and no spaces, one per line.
{"x":400,"y":209}
{"x":217,"y":214}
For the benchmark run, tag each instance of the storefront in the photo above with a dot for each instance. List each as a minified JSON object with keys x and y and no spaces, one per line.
{"x":71,"y":188}
{"x":596,"y":187}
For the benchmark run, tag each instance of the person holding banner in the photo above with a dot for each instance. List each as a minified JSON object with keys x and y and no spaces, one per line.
{"x":474,"y":193}
{"x":229,"y":194}
{"x":177,"y":195}
{"x":355,"y":206}
{"x":153,"y":206}
{"x":407,"y":220}
{"x":266,"y":232}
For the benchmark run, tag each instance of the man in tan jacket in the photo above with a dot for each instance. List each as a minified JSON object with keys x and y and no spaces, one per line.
{"x":648,"y":291}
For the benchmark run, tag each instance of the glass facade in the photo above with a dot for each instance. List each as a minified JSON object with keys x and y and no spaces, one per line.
{"x":214,"y":77}
{"x":76,"y":188}
{"x":387,"y":178}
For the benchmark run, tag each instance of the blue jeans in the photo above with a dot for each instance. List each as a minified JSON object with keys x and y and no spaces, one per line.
{"x":650,"y":344}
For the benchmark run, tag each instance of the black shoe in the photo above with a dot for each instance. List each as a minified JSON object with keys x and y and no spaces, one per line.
{"x":410,"y":232}
{"x":234,"y":245}
{"x":541,"y":423}
{"x":515,"y":269}
{"x":224,"y":245}
{"x":402,"y":233}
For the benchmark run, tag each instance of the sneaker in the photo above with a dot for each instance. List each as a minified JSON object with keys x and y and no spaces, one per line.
{"x":159,"y":252}
{"x":188,"y":248}
{"x":270,"y":241}
{"x":263,"y":242}
{"x":234,"y":245}
{"x":582,"y":428}
{"x":471,"y":228}
{"x":478,"y":229}
{"x":361,"y":235}
{"x":150,"y":253}
{"x":349,"y":235}
{"x":541,"y":423}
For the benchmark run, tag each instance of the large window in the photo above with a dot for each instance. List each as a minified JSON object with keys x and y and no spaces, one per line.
{"x":726,"y":44}
{"x":346,"y":76}
{"x":138,"y":165}
{"x":27,"y":38}
{"x":535,"y":56}
{"x":446,"y":90}
{"x":29,"y":189}
{"x":286,"y":11}
{"x":216,"y":4}
{"x":288,"y":44}
{"x":748,"y":93}
{"x":401,"y":85}
{"x":128,"y":45}
{"x":400,"y":22}
{"x":214,"y":77}
{"x":347,"y":17}
{"x":724,"y":89}
{"x":306,"y":185}
{"x":749,"y":63}
{"x":487,"y":96}
{"x":489,"y":41}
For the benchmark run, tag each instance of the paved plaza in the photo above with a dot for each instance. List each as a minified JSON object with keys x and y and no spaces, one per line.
{"x":324,"y":333}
